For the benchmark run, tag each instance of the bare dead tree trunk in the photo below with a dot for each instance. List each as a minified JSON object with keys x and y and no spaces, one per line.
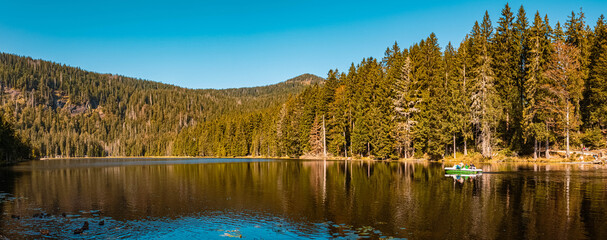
{"x":567,"y":128}
{"x":465,"y":147}
{"x":345,"y":146}
{"x":535,"y":149}
{"x":547,"y":144}
{"x":324,"y":137}
{"x":507,"y":122}
{"x":454,"y":146}
{"x":486,"y":141}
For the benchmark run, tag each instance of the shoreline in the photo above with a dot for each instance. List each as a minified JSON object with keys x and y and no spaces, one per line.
{"x":464,"y":159}
{"x":160,"y":157}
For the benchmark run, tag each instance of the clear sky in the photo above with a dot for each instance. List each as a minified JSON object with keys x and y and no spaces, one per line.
{"x":224,"y":43}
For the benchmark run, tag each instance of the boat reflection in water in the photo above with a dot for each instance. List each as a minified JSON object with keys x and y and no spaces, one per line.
{"x":460,"y":178}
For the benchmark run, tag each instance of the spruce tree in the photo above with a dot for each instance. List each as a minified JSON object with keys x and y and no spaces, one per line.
{"x":453,"y":96}
{"x":363,"y":93}
{"x":406,"y":100}
{"x":338,"y":123}
{"x":596,"y":94}
{"x":561,"y":89}
{"x":521,"y":34}
{"x":464,"y":65}
{"x":578,"y":35}
{"x":534,"y":68}
{"x":505,"y":66}
{"x":484,"y":96}
{"x":558,"y":34}
{"x":429,"y":71}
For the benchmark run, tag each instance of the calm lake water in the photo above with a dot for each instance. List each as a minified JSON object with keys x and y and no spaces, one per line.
{"x":278,"y":199}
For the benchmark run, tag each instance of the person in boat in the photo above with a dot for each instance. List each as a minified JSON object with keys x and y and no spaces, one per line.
{"x":461,"y":165}
{"x":472,"y":166}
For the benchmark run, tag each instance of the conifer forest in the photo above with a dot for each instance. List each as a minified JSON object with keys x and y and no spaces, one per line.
{"x":517,"y":86}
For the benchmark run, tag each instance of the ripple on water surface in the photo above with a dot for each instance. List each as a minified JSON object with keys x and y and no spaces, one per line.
{"x":269,"y":199}
{"x":213,"y":225}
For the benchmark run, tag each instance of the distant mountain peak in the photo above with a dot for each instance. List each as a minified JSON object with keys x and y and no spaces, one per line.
{"x":306,"y":79}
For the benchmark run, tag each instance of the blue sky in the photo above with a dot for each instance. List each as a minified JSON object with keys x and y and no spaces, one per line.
{"x":224,"y":44}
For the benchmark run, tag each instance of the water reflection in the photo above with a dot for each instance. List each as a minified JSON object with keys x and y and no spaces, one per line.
{"x":289,"y":198}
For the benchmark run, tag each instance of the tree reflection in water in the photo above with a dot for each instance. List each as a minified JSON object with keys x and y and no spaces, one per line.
{"x":317,"y":198}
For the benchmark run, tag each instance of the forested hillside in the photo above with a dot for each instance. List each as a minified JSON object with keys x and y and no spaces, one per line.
{"x":66,"y":111}
{"x":521,"y":86}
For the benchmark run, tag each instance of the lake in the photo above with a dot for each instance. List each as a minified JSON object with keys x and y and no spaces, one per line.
{"x":277,"y":199}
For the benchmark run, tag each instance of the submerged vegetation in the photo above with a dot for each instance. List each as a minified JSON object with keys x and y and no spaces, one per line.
{"x":521,"y":87}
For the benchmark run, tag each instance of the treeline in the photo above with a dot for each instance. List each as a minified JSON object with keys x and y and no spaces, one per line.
{"x":521,"y":87}
{"x":68,"y":112}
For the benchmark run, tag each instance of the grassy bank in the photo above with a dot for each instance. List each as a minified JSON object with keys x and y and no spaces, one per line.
{"x":498,"y":158}
{"x":472,"y":157}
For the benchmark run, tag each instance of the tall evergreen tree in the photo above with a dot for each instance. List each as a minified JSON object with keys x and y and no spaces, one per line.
{"x":505,"y":65}
{"x":338,"y":123}
{"x":578,"y":35}
{"x":361,"y":127}
{"x":558,"y":34}
{"x":562,"y":89}
{"x":451,"y":95}
{"x":521,"y":33}
{"x":484,"y":95}
{"x":429,"y":73}
{"x":537,"y":58}
{"x":464,"y":63}
{"x":406,"y":101}
{"x":596,"y":86}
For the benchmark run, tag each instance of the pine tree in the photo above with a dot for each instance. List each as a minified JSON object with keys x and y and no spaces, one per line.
{"x":316,"y":137}
{"x":361,"y":127}
{"x":380,"y":112}
{"x":484,"y":96}
{"x":558,"y":34}
{"x":521,"y":34}
{"x":406,"y":102}
{"x":578,"y":35}
{"x":562,"y":88}
{"x":596,"y":86}
{"x":537,"y":58}
{"x":453,"y":95}
{"x":505,"y":65}
{"x":429,"y":72}
{"x":464,"y":65}
{"x":338,"y":123}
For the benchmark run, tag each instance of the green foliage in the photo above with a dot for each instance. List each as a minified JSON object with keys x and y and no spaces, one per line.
{"x":12,"y":147}
{"x":595,"y":104}
{"x":506,"y":54}
{"x":594,"y":139}
{"x":501,"y":89}
{"x":70,"y":112}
